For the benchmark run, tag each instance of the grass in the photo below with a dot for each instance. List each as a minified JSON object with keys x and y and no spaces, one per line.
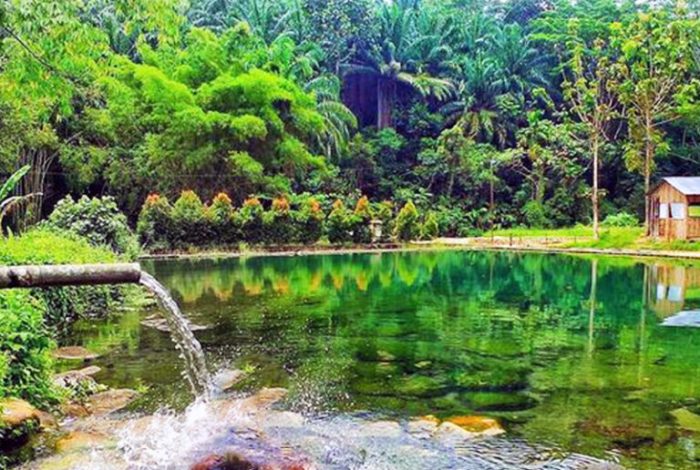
{"x":582,"y":237}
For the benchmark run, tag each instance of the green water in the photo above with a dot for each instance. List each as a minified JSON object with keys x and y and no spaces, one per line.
{"x":528,"y":338}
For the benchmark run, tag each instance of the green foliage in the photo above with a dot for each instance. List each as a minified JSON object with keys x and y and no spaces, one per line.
{"x":221,"y":216}
{"x":339,"y":223}
{"x":621,"y":219}
{"x":26,"y":366}
{"x":407,"y":223}
{"x":535,"y":215}
{"x":361,"y":218}
{"x":154,"y":225}
{"x":279,"y":222}
{"x":99,"y":220}
{"x":309,"y":220}
{"x":429,"y":229}
{"x":250,"y":219}
{"x":188,"y":221}
{"x":65,"y":304}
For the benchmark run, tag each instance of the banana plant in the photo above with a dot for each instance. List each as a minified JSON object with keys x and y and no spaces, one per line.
{"x":7,"y":202}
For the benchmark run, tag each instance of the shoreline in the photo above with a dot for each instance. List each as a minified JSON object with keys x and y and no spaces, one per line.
{"x":462,"y":244}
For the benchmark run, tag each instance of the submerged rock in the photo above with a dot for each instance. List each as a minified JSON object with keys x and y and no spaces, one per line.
{"x":480,"y":425}
{"x":75,"y":353}
{"x":110,"y":401}
{"x":227,"y":379}
{"x":451,"y":434}
{"x":81,"y":440}
{"x":381,"y":429}
{"x":686,"y":419}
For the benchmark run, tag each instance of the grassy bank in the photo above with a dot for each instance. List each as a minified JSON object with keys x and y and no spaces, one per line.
{"x":630,"y":238}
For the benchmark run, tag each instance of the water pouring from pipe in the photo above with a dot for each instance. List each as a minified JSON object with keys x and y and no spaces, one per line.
{"x":196,"y":371}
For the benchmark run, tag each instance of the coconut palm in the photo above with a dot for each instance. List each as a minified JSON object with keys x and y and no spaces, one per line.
{"x":339,"y":123}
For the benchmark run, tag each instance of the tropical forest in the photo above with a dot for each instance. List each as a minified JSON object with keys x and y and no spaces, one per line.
{"x":349,"y":234}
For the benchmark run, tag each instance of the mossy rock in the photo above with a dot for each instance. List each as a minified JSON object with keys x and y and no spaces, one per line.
{"x":18,"y":420}
{"x":499,"y":401}
{"x":420,"y":386}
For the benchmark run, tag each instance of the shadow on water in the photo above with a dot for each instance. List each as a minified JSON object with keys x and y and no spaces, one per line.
{"x":567,"y":351}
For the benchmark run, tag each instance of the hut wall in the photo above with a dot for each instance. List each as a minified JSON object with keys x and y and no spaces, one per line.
{"x":670,"y":229}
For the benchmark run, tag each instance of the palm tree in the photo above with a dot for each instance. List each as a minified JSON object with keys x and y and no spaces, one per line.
{"x":390,"y":64}
{"x":339,"y":123}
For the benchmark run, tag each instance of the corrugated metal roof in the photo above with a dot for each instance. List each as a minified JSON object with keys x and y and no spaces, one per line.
{"x":688,"y":185}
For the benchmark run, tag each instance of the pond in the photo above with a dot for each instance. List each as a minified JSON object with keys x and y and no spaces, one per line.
{"x":565,"y":351}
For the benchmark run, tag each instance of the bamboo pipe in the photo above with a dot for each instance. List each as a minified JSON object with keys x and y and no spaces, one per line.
{"x":69,"y":275}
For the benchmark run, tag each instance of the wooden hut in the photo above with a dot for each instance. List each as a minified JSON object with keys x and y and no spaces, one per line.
{"x":675,"y":208}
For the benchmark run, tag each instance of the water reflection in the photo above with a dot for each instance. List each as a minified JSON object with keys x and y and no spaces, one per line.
{"x":566,"y":350}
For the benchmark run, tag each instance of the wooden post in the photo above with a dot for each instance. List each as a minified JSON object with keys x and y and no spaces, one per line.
{"x":69,"y":275}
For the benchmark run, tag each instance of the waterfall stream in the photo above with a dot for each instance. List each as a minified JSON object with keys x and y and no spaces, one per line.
{"x":195,"y":371}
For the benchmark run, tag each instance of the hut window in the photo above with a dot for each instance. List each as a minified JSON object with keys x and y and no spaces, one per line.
{"x":678,"y":210}
{"x":663,"y":211}
{"x":694,"y":210}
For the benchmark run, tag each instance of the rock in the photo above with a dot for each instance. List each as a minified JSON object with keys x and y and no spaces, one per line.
{"x":227,"y":379}
{"x":385,"y":356}
{"x":236,"y":461}
{"x":451,"y":434}
{"x":47,"y":421}
{"x":110,"y":401}
{"x":74,"y":353}
{"x":77,"y":381}
{"x":80,"y":440}
{"x":420,"y":386}
{"x":18,"y":420}
{"x":381,"y":429}
{"x":478,"y":424}
{"x":74,"y":410}
{"x":499,"y":401}
{"x":265,"y":398}
{"x":423,"y":364}
{"x":687,"y":419}
{"x":16,"y":412}
{"x":422,"y":427}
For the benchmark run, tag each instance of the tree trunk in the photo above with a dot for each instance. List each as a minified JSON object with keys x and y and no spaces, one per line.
{"x":386,"y":93}
{"x":594,"y":195}
{"x":648,"y":157}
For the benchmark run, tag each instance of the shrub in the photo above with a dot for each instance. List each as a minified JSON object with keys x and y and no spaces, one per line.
{"x":339,"y":223}
{"x":153,"y":227}
{"x":98,"y":220}
{"x":250,"y":221}
{"x":621,"y":219}
{"x":221,"y":217}
{"x":406,"y":226}
{"x":429,"y":229}
{"x":384,"y":211}
{"x":535,"y":216}
{"x":309,"y":222}
{"x":279,"y":223}
{"x":189,"y":222}
{"x":25,"y":362}
{"x":64,"y":304}
{"x":361,"y":218}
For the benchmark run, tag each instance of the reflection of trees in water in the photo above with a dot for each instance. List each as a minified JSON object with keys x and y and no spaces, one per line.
{"x":565,"y":338}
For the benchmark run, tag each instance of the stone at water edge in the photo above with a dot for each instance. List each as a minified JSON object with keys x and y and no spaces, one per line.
{"x":81,"y":440}
{"x":227,"y":379}
{"x":110,"y":401}
{"x":451,"y":434}
{"x":18,"y":420}
{"x":686,"y":419}
{"x":422,"y":427}
{"x":75,"y":353}
{"x":381,"y":429}
{"x":236,"y":461}
{"x":480,"y":425}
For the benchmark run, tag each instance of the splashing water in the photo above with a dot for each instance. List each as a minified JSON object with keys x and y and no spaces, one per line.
{"x":195,"y":371}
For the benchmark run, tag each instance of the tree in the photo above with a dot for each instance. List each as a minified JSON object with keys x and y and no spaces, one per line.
{"x":388,"y":63}
{"x":590,"y":89}
{"x":655,"y":57}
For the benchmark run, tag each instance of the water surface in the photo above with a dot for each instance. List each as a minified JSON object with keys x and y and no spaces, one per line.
{"x":566,"y":351}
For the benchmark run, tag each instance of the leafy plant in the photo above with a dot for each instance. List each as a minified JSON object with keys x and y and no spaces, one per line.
{"x":339,"y":223}
{"x":407,"y":223}
{"x":99,"y":220}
